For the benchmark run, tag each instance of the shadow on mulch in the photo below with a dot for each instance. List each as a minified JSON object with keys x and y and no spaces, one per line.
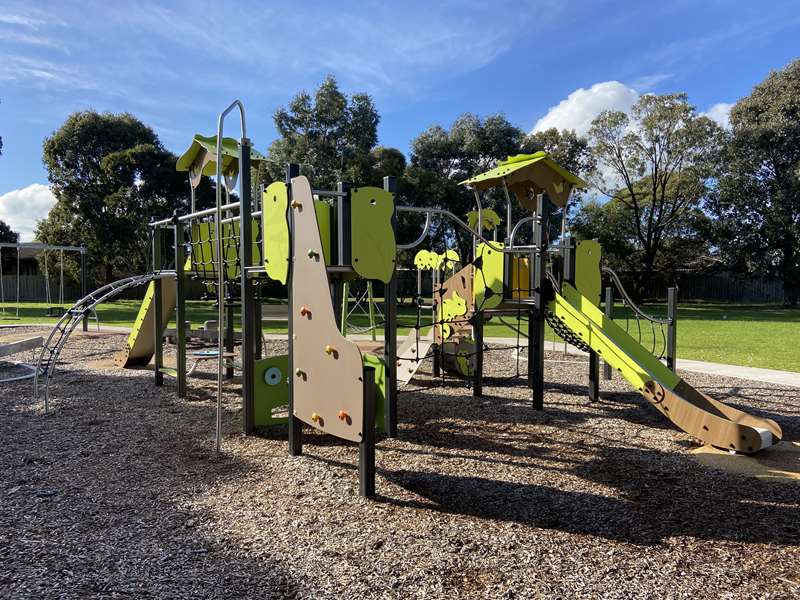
{"x":654,"y":503}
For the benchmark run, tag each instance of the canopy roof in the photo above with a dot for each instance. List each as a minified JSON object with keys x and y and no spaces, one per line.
{"x":203,"y":152}
{"x":525,"y":173}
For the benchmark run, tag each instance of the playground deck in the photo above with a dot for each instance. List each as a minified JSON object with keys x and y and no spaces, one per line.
{"x":117,"y":492}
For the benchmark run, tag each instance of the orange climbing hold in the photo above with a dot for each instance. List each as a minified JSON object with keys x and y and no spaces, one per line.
{"x":343,"y":416}
{"x":304,"y":311}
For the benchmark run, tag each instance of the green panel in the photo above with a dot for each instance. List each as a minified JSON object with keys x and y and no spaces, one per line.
{"x":276,"y":231}
{"x":610,"y":341}
{"x":588,"y":280}
{"x":271,"y":388}
{"x":372,"y":360}
{"x":504,"y":168}
{"x":147,"y":301}
{"x":202,"y":144}
{"x":487,"y":284}
{"x":324,"y":213}
{"x":373,"y":243}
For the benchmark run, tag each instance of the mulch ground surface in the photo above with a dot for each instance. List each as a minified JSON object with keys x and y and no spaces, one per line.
{"x":117,"y":493}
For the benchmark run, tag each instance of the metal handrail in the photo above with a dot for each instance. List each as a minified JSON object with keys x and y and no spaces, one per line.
{"x":444,"y":212}
{"x":618,"y":284}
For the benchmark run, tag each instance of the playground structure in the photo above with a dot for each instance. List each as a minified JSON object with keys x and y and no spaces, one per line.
{"x":316,"y":242}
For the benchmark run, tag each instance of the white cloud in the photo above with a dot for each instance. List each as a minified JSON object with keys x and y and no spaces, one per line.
{"x":721,"y":113}
{"x":579,"y":108}
{"x":21,"y":209}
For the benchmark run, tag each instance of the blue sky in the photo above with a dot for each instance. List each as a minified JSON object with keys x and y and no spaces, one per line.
{"x":175,"y":65}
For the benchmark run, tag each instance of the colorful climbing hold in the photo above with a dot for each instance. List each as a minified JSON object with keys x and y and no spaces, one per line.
{"x":299,"y":372}
{"x":304,"y":311}
{"x":330,"y":349}
{"x":313,"y":253}
{"x":343,"y":416}
{"x":296,"y":204}
{"x":316,"y":417}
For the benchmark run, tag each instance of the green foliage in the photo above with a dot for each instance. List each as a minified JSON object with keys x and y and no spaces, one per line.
{"x":329,"y":135}
{"x":758,"y":201}
{"x":441,"y":158}
{"x":111,"y":176}
{"x":657,"y":163}
{"x":6,"y":234}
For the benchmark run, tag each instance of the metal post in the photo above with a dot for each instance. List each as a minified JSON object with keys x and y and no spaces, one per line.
{"x":594,"y":376}
{"x":608,"y":309}
{"x":158,"y":337}
{"x":371,"y":309}
{"x":390,"y":330}
{"x":536,"y":323}
{"x":477,"y":331}
{"x":259,"y":324}
{"x":340,"y":290}
{"x":247,"y":312}
{"x":295,"y":424}
{"x":672,"y":333}
{"x":366,"y":448}
{"x":180,"y":310}
{"x":83,"y":286}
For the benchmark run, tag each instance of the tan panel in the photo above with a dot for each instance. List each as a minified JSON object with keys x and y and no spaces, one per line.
{"x":461,"y":283}
{"x":327,"y":383}
{"x":734,"y":430}
{"x":540,"y":178}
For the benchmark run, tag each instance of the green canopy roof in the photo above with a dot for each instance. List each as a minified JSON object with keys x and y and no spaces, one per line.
{"x":525,"y":172}
{"x":494,"y":177}
{"x":204,"y":151}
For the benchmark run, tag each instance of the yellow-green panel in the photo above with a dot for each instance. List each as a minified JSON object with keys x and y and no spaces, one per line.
{"x":324,"y":213}
{"x":487,"y":284}
{"x":372,"y":243}
{"x":588,"y":279}
{"x":520,"y":277}
{"x":276,"y":231}
{"x":373,"y":360}
{"x":271,"y":388}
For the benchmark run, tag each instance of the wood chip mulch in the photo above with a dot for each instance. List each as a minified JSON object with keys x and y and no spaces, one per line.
{"x":118,"y":494}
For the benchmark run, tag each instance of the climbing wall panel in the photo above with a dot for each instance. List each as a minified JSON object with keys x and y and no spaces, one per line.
{"x":327,"y":383}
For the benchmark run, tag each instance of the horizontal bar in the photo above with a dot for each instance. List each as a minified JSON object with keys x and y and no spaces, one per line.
{"x":38,"y":246}
{"x":329,"y":193}
{"x":197,"y":214}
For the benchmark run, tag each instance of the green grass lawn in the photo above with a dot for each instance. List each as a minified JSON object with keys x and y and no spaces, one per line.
{"x":751,"y":335}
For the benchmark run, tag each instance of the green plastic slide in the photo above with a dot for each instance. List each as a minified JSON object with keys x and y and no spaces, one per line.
{"x":709,"y":420}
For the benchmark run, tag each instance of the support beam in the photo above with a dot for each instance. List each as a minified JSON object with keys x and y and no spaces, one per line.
{"x":84,"y":285}
{"x":477,"y":334}
{"x":390,"y":330}
{"x":295,"y":424}
{"x":366,"y":449}
{"x":594,"y":376}
{"x":158,"y":339}
{"x":672,"y":328}
{"x":180,"y":311}
{"x":247,"y":312}
{"x":536,"y":323}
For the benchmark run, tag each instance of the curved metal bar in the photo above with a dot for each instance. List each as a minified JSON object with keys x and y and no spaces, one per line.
{"x":615,"y":278}
{"x":447,"y":213}
{"x":418,"y":241}
{"x":220,"y":259}
{"x":516,"y":228}
{"x":70,"y":319}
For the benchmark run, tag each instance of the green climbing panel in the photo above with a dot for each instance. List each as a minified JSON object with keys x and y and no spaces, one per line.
{"x":487,"y":284}
{"x":276,"y":231}
{"x":324,"y":212}
{"x":373,"y":243}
